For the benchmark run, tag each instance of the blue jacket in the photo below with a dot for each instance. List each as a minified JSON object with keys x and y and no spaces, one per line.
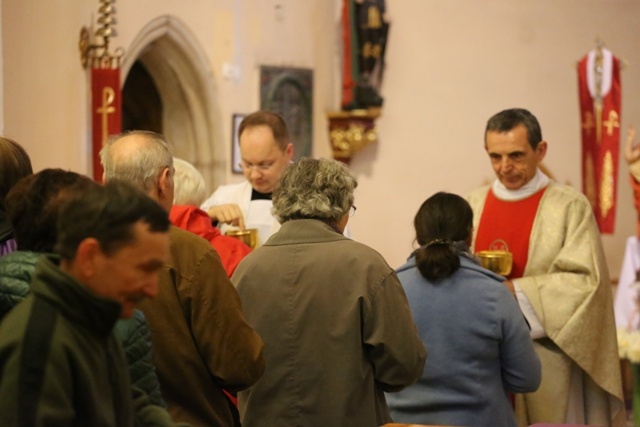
{"x":479,"y":350}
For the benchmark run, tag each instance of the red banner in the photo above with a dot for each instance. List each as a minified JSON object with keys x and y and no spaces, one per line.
{"x":349,"y":56}
{"x":599,"y":90}
{"x":106,"y":111}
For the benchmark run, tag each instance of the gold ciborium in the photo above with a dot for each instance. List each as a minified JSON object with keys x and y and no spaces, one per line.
{"x":497,"y":258}
{"x":499,"y":262}
{"x":249,"y":236}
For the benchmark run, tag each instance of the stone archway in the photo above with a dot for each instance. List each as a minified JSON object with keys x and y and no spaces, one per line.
{"x":184,"y":80}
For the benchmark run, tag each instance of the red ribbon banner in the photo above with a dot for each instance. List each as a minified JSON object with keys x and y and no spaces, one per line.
{"x":599,"y":90}
{"x":106,"y":111}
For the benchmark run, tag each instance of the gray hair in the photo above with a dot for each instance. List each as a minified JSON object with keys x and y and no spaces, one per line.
{"x":188,"y":184}
{"x":141,"y":169}
{"x":314,"y":188}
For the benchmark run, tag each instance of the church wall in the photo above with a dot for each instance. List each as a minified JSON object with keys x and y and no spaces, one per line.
{"x":450,"y":65}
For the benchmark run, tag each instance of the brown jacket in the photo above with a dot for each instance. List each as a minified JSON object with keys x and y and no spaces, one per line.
{"x":201,"y":342}
{"x":336,"y":326}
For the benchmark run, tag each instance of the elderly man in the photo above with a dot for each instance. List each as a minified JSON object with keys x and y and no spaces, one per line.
{"x":335,"y":321}
{"x":266,"y":151}
{"x":60,"y":363}
{"x":200,"y":339}
{"x":559,"y":277}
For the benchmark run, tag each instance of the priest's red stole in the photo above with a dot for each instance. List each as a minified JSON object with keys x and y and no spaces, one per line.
{"x":510,"y":222}
{"x":600,"y":103}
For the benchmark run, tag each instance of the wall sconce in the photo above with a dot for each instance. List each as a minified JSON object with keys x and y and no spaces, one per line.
{"x":351,"y":131}
{"x":94,"y":51}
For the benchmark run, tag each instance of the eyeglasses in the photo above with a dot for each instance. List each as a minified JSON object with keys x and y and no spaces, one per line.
{"x":262,"y":167}
{"x":352,"y":210}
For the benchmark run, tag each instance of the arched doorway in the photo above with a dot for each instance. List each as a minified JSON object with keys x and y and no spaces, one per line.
{"x":167,"y":74}
{"x":141,"y":101}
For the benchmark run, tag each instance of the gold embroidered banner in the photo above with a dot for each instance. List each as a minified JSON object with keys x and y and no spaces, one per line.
{"x":106,"y":111}
{"x":600,"y":102}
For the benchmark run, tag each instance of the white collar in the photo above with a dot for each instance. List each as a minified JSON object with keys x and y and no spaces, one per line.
{"x":537,"y":183}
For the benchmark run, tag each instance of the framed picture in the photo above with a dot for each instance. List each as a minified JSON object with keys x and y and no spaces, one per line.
{"x":235,"y":143}
{"x":289,"y":92}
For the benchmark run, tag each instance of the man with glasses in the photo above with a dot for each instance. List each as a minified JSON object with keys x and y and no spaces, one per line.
{"x":266,"y":151}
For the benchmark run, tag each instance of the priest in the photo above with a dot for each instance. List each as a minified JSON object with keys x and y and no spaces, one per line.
{"x":559,"y":277}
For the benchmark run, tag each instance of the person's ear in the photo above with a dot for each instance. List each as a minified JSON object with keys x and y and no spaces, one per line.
{"x":87,"y":259}
{"x":165,"y":183}
{"x":288,"y":151}
{"x":541,"y":150}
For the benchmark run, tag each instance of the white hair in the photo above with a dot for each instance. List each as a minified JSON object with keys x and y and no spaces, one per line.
{"x":188,"y":184}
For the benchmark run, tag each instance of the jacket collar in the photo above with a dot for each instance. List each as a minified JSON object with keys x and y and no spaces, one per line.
{"x":74,"y":300}
{"x":304,"y":231}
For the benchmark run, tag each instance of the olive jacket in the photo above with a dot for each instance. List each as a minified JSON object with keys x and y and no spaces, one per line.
{"x":60,"y":363}
{"x":336,"y":325}
{"x":16,"y":271}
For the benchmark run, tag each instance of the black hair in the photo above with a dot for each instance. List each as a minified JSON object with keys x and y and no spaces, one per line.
{"x":15,"y":164}
{"x":34,"y":202}
{"x":506,"y":120}
{"x":443,"y":224}
{"x":107,"y":214}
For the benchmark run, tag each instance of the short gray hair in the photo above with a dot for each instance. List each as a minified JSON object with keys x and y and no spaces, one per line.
{"x":188,"y":184}
{"x":141,"y":169}
{"x":314,"y":188}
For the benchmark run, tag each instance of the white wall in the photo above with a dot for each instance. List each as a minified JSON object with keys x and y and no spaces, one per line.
{"x":45,"y":87}
{"x":451,"y":64}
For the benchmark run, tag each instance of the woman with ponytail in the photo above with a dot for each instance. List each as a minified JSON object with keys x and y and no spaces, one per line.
{"x":478,"y":341}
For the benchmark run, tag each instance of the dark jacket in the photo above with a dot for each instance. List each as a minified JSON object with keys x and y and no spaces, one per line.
{"x":7,"y":241}
{"x":84,"y":377}
{"x":16,"y":271}
{"x":135,"y":337}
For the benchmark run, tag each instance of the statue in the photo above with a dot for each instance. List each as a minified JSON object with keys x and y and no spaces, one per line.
{"x":365,"y":32}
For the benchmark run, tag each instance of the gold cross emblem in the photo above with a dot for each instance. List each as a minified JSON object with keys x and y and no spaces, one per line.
{"x":612,"y":122}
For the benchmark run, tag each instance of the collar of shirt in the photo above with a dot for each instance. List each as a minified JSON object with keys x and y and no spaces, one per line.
{"x":537,"y":183}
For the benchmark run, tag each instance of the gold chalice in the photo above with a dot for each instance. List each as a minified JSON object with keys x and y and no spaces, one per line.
{"x":249,"y":236}
{"x":500,"y":262}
